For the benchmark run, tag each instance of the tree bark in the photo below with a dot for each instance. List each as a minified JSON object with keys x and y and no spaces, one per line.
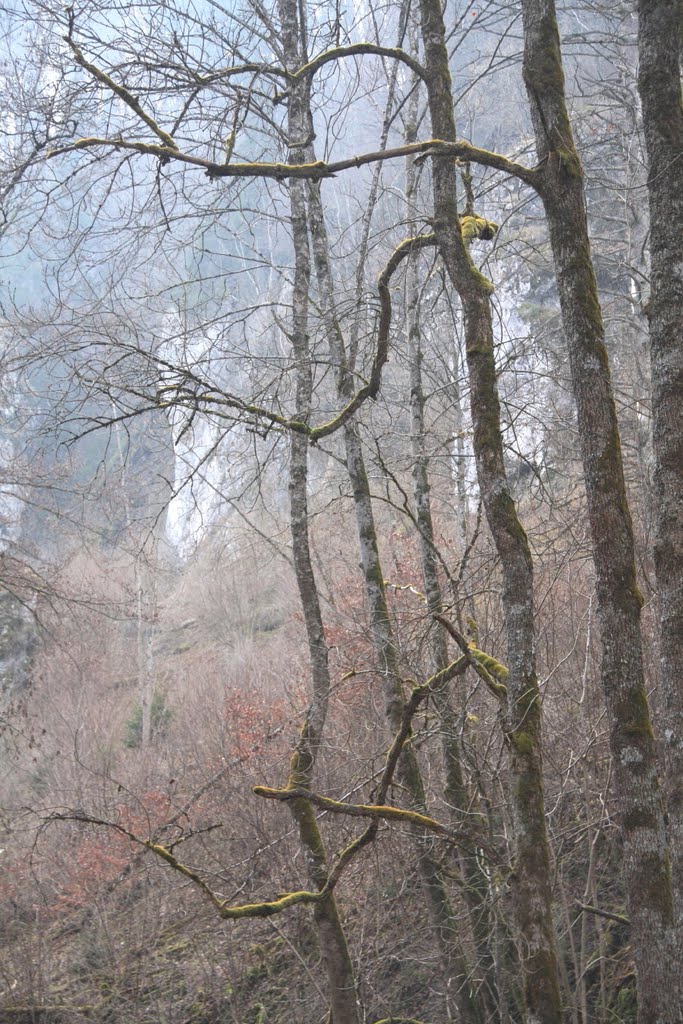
{"x":331,"y":936}
{"x":660,"y":30}
{"x":532,"y":888}
{"x":455,"y":966}
{"x":456,"y":970}
{"x":475,"y":884}
{"x":647,"y":869}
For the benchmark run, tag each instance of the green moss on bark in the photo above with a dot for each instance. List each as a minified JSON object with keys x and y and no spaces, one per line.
{"x":633,"y":715}
{"x":523,"y":742}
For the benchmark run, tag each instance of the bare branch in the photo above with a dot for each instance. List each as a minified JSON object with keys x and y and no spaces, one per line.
{"x":371,"y":389}
{"x":619,"y":918}
{"x":263,"y":909}
{"x":123,"y":94}
{"x":395,"y":52}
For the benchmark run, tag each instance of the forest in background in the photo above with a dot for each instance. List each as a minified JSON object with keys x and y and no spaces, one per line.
{"x":341,"y":576}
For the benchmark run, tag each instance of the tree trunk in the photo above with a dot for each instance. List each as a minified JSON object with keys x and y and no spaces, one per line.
{"x":532,"y":889}
{"x":660,"y":30}
{"x":455,"y":967}
{"x":647,"y":872}
{"x":331,"y":937}
{"x":475,"y":884}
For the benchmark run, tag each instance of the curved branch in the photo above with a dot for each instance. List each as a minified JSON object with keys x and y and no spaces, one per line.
{"x":418,"y":695}
{"x":214,"y":401}
{"x":395,"y":52}
{"x":165,"y":153}
{"x":319,"y":169}
{"x":266,"y":908}
{"x":383,"y":812}
{"x":468,"y":153}
{"x":371,"y":389}
{"x":250,"y":68}
{"x":380,"y":812}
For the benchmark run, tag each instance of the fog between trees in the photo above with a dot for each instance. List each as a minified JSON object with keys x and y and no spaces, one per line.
{"x":342,"y":512}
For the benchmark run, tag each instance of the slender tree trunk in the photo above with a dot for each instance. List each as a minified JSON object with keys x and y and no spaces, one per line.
{"x":459,"y":454}
{"x":333,"y":944}
{"x":532,"y":889}
{"x":647,"y":871}
{"x":455,"y":967}
{"x":455,"y":789}
{"x":660,"y":32}
{"x":146,"y":612}
{"x":331,"y":937}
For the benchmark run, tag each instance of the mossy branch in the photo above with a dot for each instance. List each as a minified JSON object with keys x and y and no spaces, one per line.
{"x":315,"y":170}
{"x":486,"y":667}
{"x":123,"y":94}
{"x":384,"y":812}
{"x":468,"y":153}
{"x":379,"y":812}
{"x":279,"y":171}
{"x":418,"y":695}
{"x":271,"y":907}
{"x":266,"y":908}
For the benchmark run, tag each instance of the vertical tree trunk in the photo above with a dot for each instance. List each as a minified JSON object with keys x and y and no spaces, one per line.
{"x":455,"y":967}
{"x":333,"y":945}
{"x":660,"y":30}
{"x":647,"y":872}
{"x":331,"y":937}
{"x":455,"y":788}
{"x":146,"y":612}
{"x":532,"y":889}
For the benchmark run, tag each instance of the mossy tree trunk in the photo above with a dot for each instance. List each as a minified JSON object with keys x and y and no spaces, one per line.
{"x":331,"y":936}
{"x":660,"y":31}
{"x":647,"y":870}
{"x":456,"y":792}
{"x":532,"y":887}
